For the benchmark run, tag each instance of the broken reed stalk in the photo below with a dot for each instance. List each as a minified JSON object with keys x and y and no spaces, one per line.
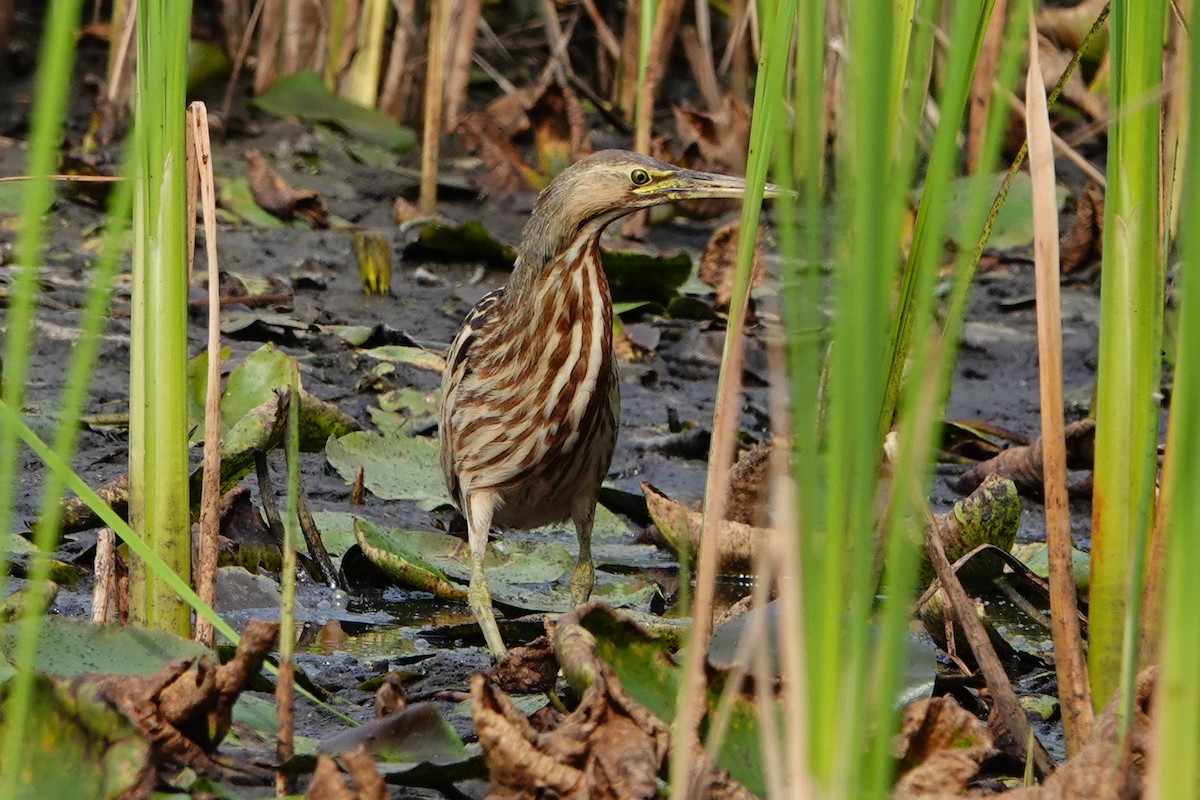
{"x":666,"y":21}
{"x":204,"y":570}
{"x":285,"y":687}
{"x":361,"y":81}
{"x":432,"y":126}
{"x":1074,"y":691}
{"x":105,"y":571}
{"x":1008,"y":718}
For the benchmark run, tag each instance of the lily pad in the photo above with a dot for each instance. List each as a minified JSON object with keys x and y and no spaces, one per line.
{"x":78,"y":745}
{"x":303,"y":95}
{"x":470,"y":241}
{"x":415,"y":735}
{"x":523,"y":574}
{"x":636,"y":276}
{"x":395,"y":466}
{"x":400,"y":354}
{"x":69,"y":647}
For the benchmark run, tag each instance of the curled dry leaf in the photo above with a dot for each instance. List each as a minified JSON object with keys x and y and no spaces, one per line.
{"x":528,"y":669}
{"x":1024,"y":464}
{"x":940,"y":748}
{"x":504,"y":170}
{"x":328,"y":783}
{"x":712,"y":142}
{"x":737,"y":542}
{"x":1081,"y":243}
{"x":719,"y":261}
{"x":390,"y":696}
{"x":274,"y":194}
{"x":185,"y":709}
{"x":609,"y":747}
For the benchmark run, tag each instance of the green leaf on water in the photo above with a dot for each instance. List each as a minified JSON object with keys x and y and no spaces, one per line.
{"x":69,"y":647}
{"x":395,"y":466}
{"x":303,"y":95}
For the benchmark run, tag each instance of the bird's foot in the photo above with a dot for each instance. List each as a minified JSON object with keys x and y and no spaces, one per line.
{"x":479,"y":598}
{"x":583,"y":577}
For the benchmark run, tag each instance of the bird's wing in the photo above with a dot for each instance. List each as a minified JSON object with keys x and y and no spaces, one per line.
{"x":465,"y":337}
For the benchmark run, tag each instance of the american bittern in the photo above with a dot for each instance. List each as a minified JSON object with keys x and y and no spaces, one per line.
{"x":530,"y":394}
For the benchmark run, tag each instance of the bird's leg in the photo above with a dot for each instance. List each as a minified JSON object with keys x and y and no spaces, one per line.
{"x":584,"y":574}
{"x":479,"y":597}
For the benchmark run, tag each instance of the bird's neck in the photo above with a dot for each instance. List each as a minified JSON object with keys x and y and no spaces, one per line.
{"x":560,"y":285}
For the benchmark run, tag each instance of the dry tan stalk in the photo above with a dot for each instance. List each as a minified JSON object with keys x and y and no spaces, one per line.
{"x":120,"y":67}
{"x":433,"y":108}
{"x":735,"y":60}
{"x":105,"y":570}
{"x":303,"y":31}
{"x":270,"y":31}
{"x":626,"y":88}
{"x":981,"y":83}
{"x":205,"y":569}
{"x":397,"y":81}
{"x":1069,"y":664}
{"x":1008,"y":720}
{"x":700,"y":60}
{"x":460,"y":48}
{"x":666,"y":21}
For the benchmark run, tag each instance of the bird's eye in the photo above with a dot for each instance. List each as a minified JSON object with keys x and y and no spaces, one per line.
{"x":639,"y":177}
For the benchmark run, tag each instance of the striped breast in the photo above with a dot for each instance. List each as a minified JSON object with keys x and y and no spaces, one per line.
{"x":530,"y":395}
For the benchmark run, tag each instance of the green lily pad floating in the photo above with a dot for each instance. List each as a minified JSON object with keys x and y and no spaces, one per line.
{"x":415,"y":735}
{"x":524,"y":574}
{"x":253,"y":385}
{"x":470,"y":241}
{"x":337,"y":531}
{"x":395,"y":466}
{"x":635,"y":276}
{"x":303,"y":95}
{"x":402,"y":354}
{"x":78,"y":745}
{"x":409,"y":556}
{"x":68,"y":648}
{"x":1036,"y":556}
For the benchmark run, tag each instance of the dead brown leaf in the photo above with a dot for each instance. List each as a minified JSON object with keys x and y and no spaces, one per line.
{"x":940,"y":748}
{"x":719,"y":260}
{"x":1081,"y":244}
{"x":609,"y":747}
{"x":390,"y":696}
{"x":328,"y":783}
{"x":527,"y":669}
{"x":185,"y":709}
{"x":504,"y":170}
{"x":275,"y":195}
{"x":712,"y":142}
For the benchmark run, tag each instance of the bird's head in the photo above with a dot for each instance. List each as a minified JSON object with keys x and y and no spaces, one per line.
{"x":612,"y":183}
{"x":606,"y":186}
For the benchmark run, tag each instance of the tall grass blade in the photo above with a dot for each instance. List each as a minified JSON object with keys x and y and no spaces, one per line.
{"x":1127,"y":400}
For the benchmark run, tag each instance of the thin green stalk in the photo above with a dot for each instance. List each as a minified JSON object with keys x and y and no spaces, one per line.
{"x":47,"y":529}
{"x":769,"y":85}
{"x":158,"y":457}
{"x":1174,"y":771}
{"x":45,"y":132}
{"x":930,"y":220}
{"x":1127,"y":406}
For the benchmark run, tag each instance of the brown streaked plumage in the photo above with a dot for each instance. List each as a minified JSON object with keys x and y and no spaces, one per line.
{"x":530,"y":396}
